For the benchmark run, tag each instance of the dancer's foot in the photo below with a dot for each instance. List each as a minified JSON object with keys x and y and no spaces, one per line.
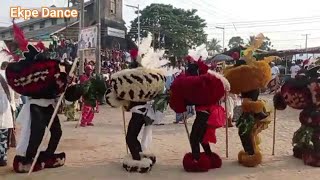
{"x":151,"y":156}
{"x":53,"y":161}
{"x":215,"y":160}
{"x":142,"y":166}
{"x":250,"y":160}
{"x":22,"y":165}
{"x":90,"y":124}
{"x":192,"y":165}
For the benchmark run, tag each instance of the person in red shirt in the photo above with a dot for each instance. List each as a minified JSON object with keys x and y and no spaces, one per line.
{"x":87,"y":109}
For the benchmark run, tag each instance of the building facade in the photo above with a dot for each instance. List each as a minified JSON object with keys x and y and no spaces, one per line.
{"x":113,"y":30}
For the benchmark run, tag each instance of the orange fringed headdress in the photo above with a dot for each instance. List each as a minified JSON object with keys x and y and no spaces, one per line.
{"x":252,"y":75}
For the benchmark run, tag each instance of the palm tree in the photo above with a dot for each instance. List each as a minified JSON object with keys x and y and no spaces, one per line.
{"x":214,"y":46}
{"x":250,"y":40}
{"x":266,"y":45}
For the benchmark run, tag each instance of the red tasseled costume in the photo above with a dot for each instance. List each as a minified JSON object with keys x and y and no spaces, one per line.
{"x":19,"y":38}
{"x":190,"y":165}
{"x":203,"y":68}
{"x":134,"y":53}
{"x":217,"y":119}
{"x":204,"y":91}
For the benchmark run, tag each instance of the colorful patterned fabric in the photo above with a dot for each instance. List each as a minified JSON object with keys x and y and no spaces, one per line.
{"x":87,"y":114}
{"x":3,"y":144}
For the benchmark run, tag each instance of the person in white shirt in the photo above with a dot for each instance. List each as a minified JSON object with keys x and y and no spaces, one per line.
{"x":274,"y":70}
{"x":294,"y":70}
{"x":6,"y":120}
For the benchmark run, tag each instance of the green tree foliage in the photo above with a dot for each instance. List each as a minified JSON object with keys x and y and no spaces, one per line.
{"x":176,"y":30}
{"x":235,"y":41}
{"x":267,"y":45}
{"x":214,"y":46}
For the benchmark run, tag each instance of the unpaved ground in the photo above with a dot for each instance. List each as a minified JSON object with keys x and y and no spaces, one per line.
{"x":95,"y":153}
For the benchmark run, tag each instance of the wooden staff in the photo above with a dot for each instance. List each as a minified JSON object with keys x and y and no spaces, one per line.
{"x":124,"y":128}
{"x":74,"y":65}
{"x":227,"y":134}
{"x":186,"y":126}
{"x":274,"y":129}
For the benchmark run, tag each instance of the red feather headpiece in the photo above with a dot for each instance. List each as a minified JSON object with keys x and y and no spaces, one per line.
{"x":40,"y":46}
{"x":19,"y":37}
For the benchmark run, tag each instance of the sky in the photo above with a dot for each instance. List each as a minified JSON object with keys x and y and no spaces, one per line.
{"x":284,"y":21}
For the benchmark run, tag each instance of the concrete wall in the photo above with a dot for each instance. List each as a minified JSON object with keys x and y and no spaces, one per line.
{"x":106,"y":10}
{"x":90,"y":15}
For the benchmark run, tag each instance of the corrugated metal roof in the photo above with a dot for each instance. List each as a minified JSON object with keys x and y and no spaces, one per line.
{"x":46,"y":32}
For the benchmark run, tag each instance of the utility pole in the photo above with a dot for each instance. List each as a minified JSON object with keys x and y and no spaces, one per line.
{"x":67,"y":18}
{"x":81,"y":24}
{"x":223,"y":29}
{"x":139,"y":28}
{"x":154,"y":37}
{"x":306,"y":43}
{"x":98,"y":49}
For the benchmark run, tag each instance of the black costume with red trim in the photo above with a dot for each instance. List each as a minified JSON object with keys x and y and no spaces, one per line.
{"x":42,"y":80}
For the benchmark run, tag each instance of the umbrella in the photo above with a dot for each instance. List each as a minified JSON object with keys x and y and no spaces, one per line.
{"x":219,"y":58}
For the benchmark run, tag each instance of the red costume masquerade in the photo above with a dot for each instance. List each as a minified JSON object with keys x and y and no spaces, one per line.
{"x":203,"y":89}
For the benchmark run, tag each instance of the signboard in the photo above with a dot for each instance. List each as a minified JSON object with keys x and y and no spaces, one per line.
{"x":89,"y":55}
{"x":116,"y":32}
{"x":88,"y":38}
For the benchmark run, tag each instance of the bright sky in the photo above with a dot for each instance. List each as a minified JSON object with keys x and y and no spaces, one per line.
{"x":283,"y":21}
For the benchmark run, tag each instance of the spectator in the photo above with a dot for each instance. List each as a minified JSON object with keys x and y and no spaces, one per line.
{"x":274,"y":70}
{"x":295,"y":69}
{"x":6,"y":120}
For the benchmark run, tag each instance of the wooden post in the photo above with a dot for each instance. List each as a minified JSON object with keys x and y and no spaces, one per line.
{"x":227,"y":128}
{"x":274,"y":130}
